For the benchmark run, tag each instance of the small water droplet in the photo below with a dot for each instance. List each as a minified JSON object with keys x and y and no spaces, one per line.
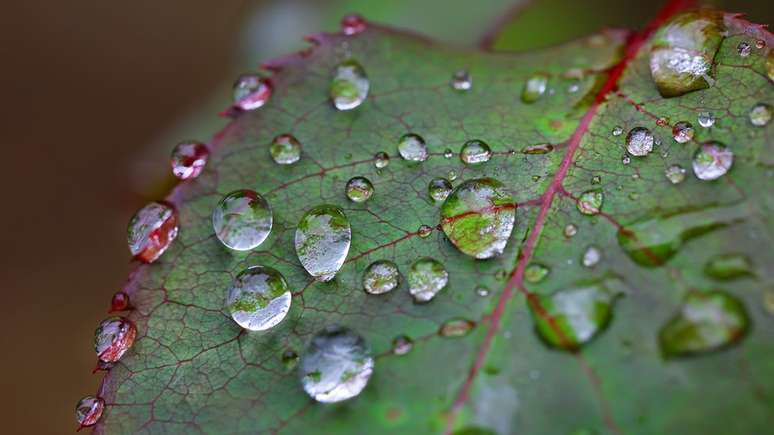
{"x":634,"y":196}
{"x":89,"y":410}
{"x":151,"y":230}
{"x":359,"y":189}
{"x":119,"y":302}
{"x":626,"y":160}
{"x":452,"y":175}
{"x":426,"y":278}
{"x":412,"y":147}
{"x":541,"y":148}
{"x":322,"y":241}
{"x":712,"y":160}
{"x":402,"y":345}
{"x":590,"y":202}
{"x":536,"y":272}
{"x":728,"y":266}
{"x":573,"y":88}
{"x":534,"y":88}
{"x":706,"y":119}
{"x":596,"y":179}
{"x":461,"y":81}
{"x":259,"y":298}
{"x":289,"y":359}
{"x":760,"y":114}
{"x":617,"y":130}
{"x":242,"y":220}
{"x":439,"y":189}
{"x":251,"y":91}
{"x":675,"y":174}
{"x":536,"y":178}
{"x":285,"y":149}
{"x":188,"y":159}
{"x":570,"y":230}
{"x":448,"y":153}
{"x":456,"y":328}
{"x":475,"y":151}
{"x":639,"y":142}
{"x":682,"y":132}
{"x":381,"y":160}
{"x":349,"y":87}
{"x":662,"y":121}
{"x":113,"y":337}
{"x":352,"y":24}
{"x":336,"y":366}
{"x":760,"y":43}
{"x":380,"y":277}
{"x":591,"y":256}
{"x":424,"y":231}
{"x":744,"y":49}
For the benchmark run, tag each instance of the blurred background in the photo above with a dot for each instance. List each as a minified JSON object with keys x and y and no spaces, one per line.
{"x":95,"y":95}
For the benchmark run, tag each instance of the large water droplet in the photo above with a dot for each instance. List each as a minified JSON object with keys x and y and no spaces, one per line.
{"x":675,"y":174}
{"x":426,"y":278}
{"x":536,"y":272}
{"x":259,"y":298}
{"x":412,"y":147}
{"x":534,"y":88}
{"x":349,"y":87}
{"x":381,"y":160}
{"x":336,"y":366}
{"x":402,"y":345}
{"x":242,"y":220}
{"x":706,"y":321}
{"x":682,"y":132}
{"x":461,"y":81}
{"x":760,"y":114}
{"x":188,"y":159}
{"x":353,"y":24}
{"x":251,"y":91}
{"x":591,"y":256}
{"x":322,"y":241}
{"x":712,"y":160}
{"x":639,"y":142}
{"x":475,"y":151}
{"x":590,"y":202}
{"x":728,"y":266}
{"x":439,"y":189}
{"x":285,"y":149}
{"x":380,"y":277}
{"x":706,"y":119}
{"x":89,"y":410}
{"x":113,"y":337}
{"x":151,"y":230}
{"x":359,"y":189}
{"x":456,"y":328}
{"x":478,"y":217}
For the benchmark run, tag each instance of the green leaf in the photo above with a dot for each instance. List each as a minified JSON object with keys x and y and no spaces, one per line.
{"x":492,"y":352}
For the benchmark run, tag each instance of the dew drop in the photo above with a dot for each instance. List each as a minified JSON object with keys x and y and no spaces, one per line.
{"x":242,"y":220}
{"x":352,"y":24}
{"x":456,"y":327}
{"x":760,"y":114}
{"x":639,"y":142}
{"x":188,"y":159}
{"x":402,"y":345}
{"x":359,"y":189}
{"x":706,"y":119}
{"x":381,"y":160}
{"x":712,"y":160}
{"x":596,"y":179}
{"x":728,"y":266}
{"x":534,"y":88}
{"x":617,"y":130}
{"x":760,"y":43}
{"x":536,"y":272}
{"x":448,"y":153}
{"x":452,"y":175}
{"x":590,"y":202}
{"x":626,"y":160}
{"x":482,"y":291}
{"x":478,"y":217}
{"x":461,"y":81}
{"x":591,"y":256}
{"x":439,"y":189}
{"x":289,"y":359}
{"x":89,"y":410}
{"x":744,"y":49}
{"x":380,"y":277}
{"x":336,"y":366}
{"x":682,"y":132}
{"x":349,"y":87}
{"x":412,"y":147}
{"x":541,"y":148}
{"x":322,"y":241}
{"x":285,"y":149}
{"x":119,"y":302}
{"x":259,"y":298}
{"x":424,"y":231}
{"x":251,"y":91}
{"x":570,"y":230}
{"x":113,"y":337}
{"x":151,"y":230}
{"x":426,"y":278}
{"x":675,"y":174}
{"x":475,"y":152}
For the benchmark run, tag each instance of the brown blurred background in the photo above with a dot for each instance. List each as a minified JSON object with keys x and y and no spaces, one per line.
{"x":94,"y":96}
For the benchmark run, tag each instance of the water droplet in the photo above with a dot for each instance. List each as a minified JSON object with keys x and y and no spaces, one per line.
{"x":461,"y":81}
{"x":448,"y":153}
{"x":456,"y":328}
{"x":760,"y":114}
{"x":475,"y":151}
{"x":336,"y":366}
{"x":675,"y":174}
{"x":626,"y":160}
{"x":706,"y":321}
{"x":402,"y":345}
{"x":349,"y":87}
{"x":590,"y":202}
{"x":251,"y":91}
{"x":285,"y":149}
{"x":482,"y":291}
{"x":536,"y":272}
{"x":352,"y":24}
{"x":536,"y":178}
{"x":151,"y":230}
{"x":424,"y":231}
{"x":570,"y":230}
{"x":682,"y":52}
{"x":322,"y":241}
{"x":359,"y":189}
{"x":682,"y":132}
{"x":478,"y":217}
{"x":119,"y":302}
{"x":381,"y":160}
{"x":744,"y":49}
{"x":617,"y":130}
{"x":188,"y":159}
{"x":639,"y":142}
{"x":541,"y":148}
{"x":259,"y":298}
{"x":712,"y":160}
{"x":573,"y":88}
{"x":439,"y":189}
{"x":89,"y":410}
{"x":242,"y":220}
{"x":706,"y":119}
{"x":113,"y":337}
{"x":289,"y":359}
{"x":760,"y":43}
{"x":381,"y":277}
{"x":534,"y":88}
{"x":452,"y":175}
{"x":426,"y":278}
{"x":412,"y":148}
{"x":596,"y":179}
{"x":728,"y":266}
{"x":591,"y":256}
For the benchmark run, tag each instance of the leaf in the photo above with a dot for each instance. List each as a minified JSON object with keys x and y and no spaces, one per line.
{"x":574,"y":352}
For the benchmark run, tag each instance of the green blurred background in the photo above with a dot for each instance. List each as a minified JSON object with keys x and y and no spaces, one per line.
{"x":95,"y":94}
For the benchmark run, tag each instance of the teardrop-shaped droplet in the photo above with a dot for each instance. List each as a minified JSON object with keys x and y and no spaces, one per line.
{"x":706,"y":321}
{"x":639,"y":141}
{"x":590,"y":202}
{"x":426,"y":278}
{"x":712,"y":160}
{"x":251,"y":91}
{"x":457,"y":327}
{"x":119,"y":302}
{"x":151,"y":230}
{"x":534,"y":88}
{"x":461,"y":81}
{"x":728,"y":266}
{"x":322,"y":241}
{"x":350,"y":85}
{"x":682,"y":132}
{"x":336,"y":366}
{"x":675,"y":174}
{"x":113,"y":337}
{"x":259,"y":298}
{"x":682,"y":52}
{"x":285,"y":149}
{"x":242,"y":220}
{"x":402,"y":345}
{"x":359,"y":189}
{"x":380,"y":277}
{"x":536,"y":272}
{"x":188,"y":159}
{"x":381,"y":160}
{"x":760,"y":114}
{"x":475,"y":152}
{"x":706,"y":119}
{"x":353,"y":24}
{"x":412,"y":147}
{"x":591,"y":256}
{"x":478,"y":217}
{"x":89,"y":410}
{"x":439,"y":189}
{"x":541,"y":148}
